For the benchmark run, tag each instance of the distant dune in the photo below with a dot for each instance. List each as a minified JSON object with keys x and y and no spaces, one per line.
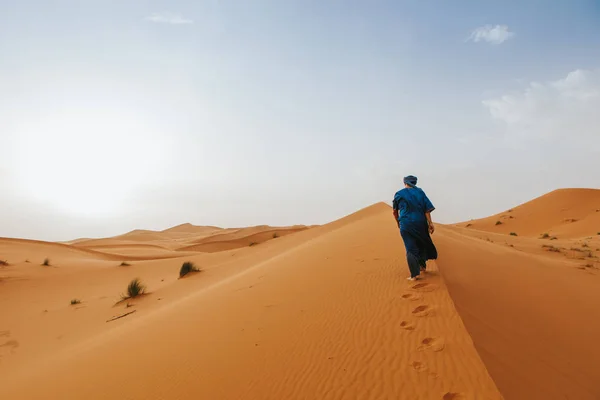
{"x":311,"y":312}
{"x":567,"y":213}
{"x":239,"y":238}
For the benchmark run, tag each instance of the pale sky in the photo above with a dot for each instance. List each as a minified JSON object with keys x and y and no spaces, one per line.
{"x":125,"y":114}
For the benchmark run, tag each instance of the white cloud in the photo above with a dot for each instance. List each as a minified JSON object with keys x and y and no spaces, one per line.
{"x":169,"y":18}
{"x":568,"y":108}
{"x":492,"y":34}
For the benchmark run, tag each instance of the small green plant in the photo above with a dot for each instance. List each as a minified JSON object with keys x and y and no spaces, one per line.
{"x":545,"y":236}
{"x":186,"y":268}
{"x":75,"y":301}
{"x":124,"y":264}
{"x":498,"y":222}
{"x":275,"y":235}
{"x":513,"y":234}
{"x":46,"y":262}
{"x":134,"y":289}
{"x":253,"y":244}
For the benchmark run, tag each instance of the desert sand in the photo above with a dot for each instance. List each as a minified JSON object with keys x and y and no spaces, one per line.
{"x":508,"y":310}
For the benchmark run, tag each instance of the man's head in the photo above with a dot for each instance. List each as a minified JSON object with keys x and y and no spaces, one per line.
{"x":410,"y":181}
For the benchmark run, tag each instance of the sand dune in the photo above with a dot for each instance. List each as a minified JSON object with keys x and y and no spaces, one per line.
{"x":36,"y":251}
{"x":530,"y":315}
{"x":565,"y":213}
{"x":319,"y":313}
{"x":188,"y":237}
{"x":20,"y":248}
{"x":322,"y":313}
{"x":193,"y":229}
{"x":237,"y":239}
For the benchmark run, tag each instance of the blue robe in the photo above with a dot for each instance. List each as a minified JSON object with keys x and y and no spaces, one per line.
{"x":412,"y":204}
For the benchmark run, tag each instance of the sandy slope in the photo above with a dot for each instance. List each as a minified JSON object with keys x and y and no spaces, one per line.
{"x":318,"y":314}
{"x":234,"y":240}
{"x":188,"y":237}
{"x":531,"y":316}
{"x":565,"y":213}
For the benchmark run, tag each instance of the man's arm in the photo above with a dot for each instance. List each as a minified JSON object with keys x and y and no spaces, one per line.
{"x":429,"y":222}
{"x":429,"y":207}
{"x":396,"y":206}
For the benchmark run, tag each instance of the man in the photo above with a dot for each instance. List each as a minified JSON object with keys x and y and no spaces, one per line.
{"x":412,"y":212}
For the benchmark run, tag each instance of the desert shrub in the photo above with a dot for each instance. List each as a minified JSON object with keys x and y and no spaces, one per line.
{"x":498,"y":222}
{"x":551,"y":248}
{"x":275,"y":235}
{"x":545,"y":236}
{"x":253,"y":244}
{"x":3,"y":263}
{"x":576,"y":249}
{"x":585,"y":245}
{"x":186,"y":268}
{"x":124,"y":264}
{"x":553,"y":238}
{"x":513,"y":234}
{"x":75,"y":301}
{"x":468,"y":225}
{"x":46,"y":262}
{"x":135,"y":288}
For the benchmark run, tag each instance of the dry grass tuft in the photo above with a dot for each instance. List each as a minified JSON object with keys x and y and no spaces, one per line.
{"x":186,"y":268}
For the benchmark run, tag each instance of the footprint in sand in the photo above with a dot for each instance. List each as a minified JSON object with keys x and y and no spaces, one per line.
{"x":407,"y":326}
{"x":433,"y":344}
{"x":8,"y":347}
{"x":422,"y":311}
{"x":411,"y":297}
{"x":424,"y":287}
{"x":419,"y":366}
{"x":453,"y":396}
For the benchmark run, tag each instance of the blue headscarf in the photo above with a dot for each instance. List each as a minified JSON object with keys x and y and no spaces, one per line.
{"x":410,"y":180}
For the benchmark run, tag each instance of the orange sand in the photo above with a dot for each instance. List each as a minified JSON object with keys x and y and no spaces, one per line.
{"x":316,"y":313}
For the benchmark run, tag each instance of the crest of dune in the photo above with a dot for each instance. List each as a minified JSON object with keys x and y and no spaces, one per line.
{"x":310,"y":312}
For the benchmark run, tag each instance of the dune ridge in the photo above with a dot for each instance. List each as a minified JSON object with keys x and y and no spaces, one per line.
{"x":567,"y":213}
{"x":321,"y":313}
{"x":318,"y":312}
